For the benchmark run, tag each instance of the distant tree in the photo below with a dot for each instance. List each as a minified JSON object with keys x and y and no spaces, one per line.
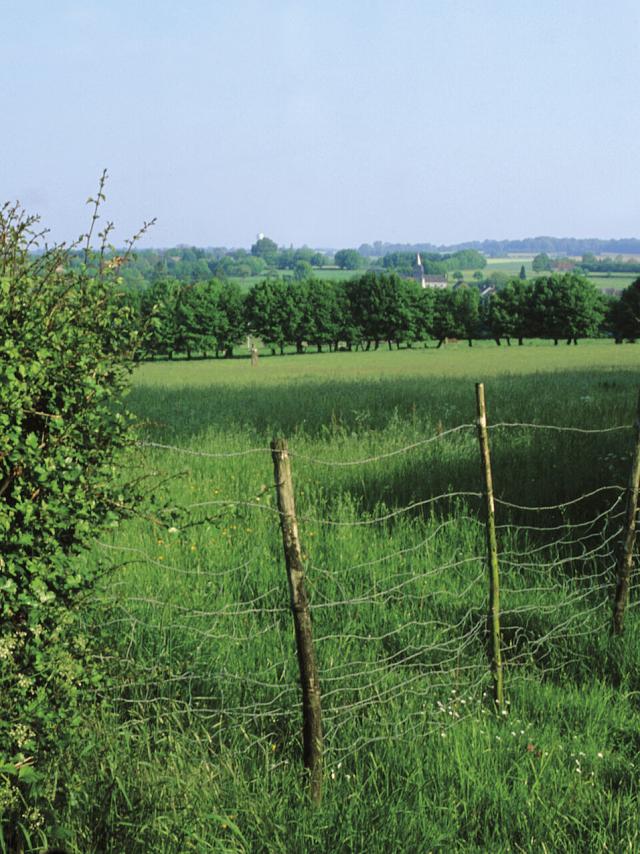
{"x":232,"y":327}
{"x":303,"y":254}
{"x":435,"y":265}
{"x":541,"y":263}
{"x":347,"y":329}
{"x":381,"y":307}
{"x":445,"y":322}
{"x":285,"y":259}
{"x":366,"y":250}
{"x":585,"y":306}
{"x":213,"y":320}
{"x":320,"y":310}
{"x":509,"y":311}
{"x":523,"y":273}
{"x":302,"y":270}
{"x":466,"y":306}
{"x":226,"y":266}
{"x":401,"y":262}
{"x":158,"y":311}
{"x":566,"y":306}
{"x":458,"y":276}
{"x":498,"y":278}
{"x":466,"y":259}
{"x":196,"y":271}
{"x":478,"y":276}
{"x":238,"y":264}
{"x":456,"y":314}
{"x":160,"y":272}
{"x":625,"y":313}
{"x":190,"y":321}
{"x":273,"y":313}
{"x":265,"y":248}
{"x":422,"y":310}
{"x":348,"y":259}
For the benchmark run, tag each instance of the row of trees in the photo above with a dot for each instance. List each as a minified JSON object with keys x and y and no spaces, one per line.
{"x":571,"y":246}
{"x":434,"y":263}
{"x":214,"y":316}
{"x":190,"y":264}
{"x":587,"y":264}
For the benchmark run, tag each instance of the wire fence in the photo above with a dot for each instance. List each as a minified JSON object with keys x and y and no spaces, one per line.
{"x":401,"y":634}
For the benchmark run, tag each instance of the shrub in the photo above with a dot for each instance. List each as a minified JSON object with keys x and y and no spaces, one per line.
{"x":66,"y":341}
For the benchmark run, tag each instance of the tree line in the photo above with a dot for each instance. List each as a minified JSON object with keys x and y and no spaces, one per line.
{"x":191,"y":264}
{"x":214,"y":316}
{"x":499,"y":248}
{"x":587,"y":264}
{"x":434,"y":263}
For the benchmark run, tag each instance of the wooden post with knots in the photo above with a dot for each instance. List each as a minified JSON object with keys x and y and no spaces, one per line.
{"x":311,"y":704}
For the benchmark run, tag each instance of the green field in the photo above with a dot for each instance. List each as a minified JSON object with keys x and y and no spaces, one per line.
{"x":619,"y":281}
{"x":197,"y":745}
{"x":510,"y":266}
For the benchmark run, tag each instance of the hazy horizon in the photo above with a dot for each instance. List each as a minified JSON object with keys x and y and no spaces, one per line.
{"x":331,"y":125}
{"x":443,"y":247}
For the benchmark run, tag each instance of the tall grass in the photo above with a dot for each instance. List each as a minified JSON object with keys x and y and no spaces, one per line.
{"x":196,"y":746}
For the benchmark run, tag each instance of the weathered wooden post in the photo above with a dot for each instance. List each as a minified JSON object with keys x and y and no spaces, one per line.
{"x":493,"y":616}
{"x":311,"y":705}
{"x":625,"y":559}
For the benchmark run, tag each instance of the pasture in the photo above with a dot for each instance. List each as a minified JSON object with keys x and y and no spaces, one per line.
{"x":195,"y":745}
{"x":617,"y":281}
{"x":510,"y":265}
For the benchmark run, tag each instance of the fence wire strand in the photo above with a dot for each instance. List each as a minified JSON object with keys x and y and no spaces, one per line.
{"x":393,"y":632}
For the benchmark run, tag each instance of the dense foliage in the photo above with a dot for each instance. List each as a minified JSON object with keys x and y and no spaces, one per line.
{"x":375,"y":307}
{"x":433,"y":262}
{"x":499,"y":248}
{"x":588,"y":264}
{"x":65,"y":347}
{"x":625,"y":313}
{"x":190,"y":264}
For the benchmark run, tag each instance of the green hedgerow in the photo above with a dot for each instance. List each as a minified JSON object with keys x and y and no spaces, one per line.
{"x":66,"y":346}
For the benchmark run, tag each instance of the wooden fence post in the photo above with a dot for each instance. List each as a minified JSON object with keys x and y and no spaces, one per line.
{"x":625,"y":560}
{"x":311,"y":706}
{"x":493,"y":616}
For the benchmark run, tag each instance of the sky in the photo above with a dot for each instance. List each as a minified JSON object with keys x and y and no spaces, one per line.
{"x":327,"y":123}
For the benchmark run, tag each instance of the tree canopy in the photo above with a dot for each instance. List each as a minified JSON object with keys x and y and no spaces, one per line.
{"x":348,"y":259}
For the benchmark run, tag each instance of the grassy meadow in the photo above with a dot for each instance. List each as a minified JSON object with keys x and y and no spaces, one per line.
{"x":196,"y":746}
{"x":510,"y":265}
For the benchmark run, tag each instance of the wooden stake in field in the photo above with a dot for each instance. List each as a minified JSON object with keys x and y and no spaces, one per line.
{"x":493,"y":616}
{"x":625,"y":560}
{"x":311,"y":707}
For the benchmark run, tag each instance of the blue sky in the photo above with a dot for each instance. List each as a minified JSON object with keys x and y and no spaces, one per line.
{"x":330,"y":123}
